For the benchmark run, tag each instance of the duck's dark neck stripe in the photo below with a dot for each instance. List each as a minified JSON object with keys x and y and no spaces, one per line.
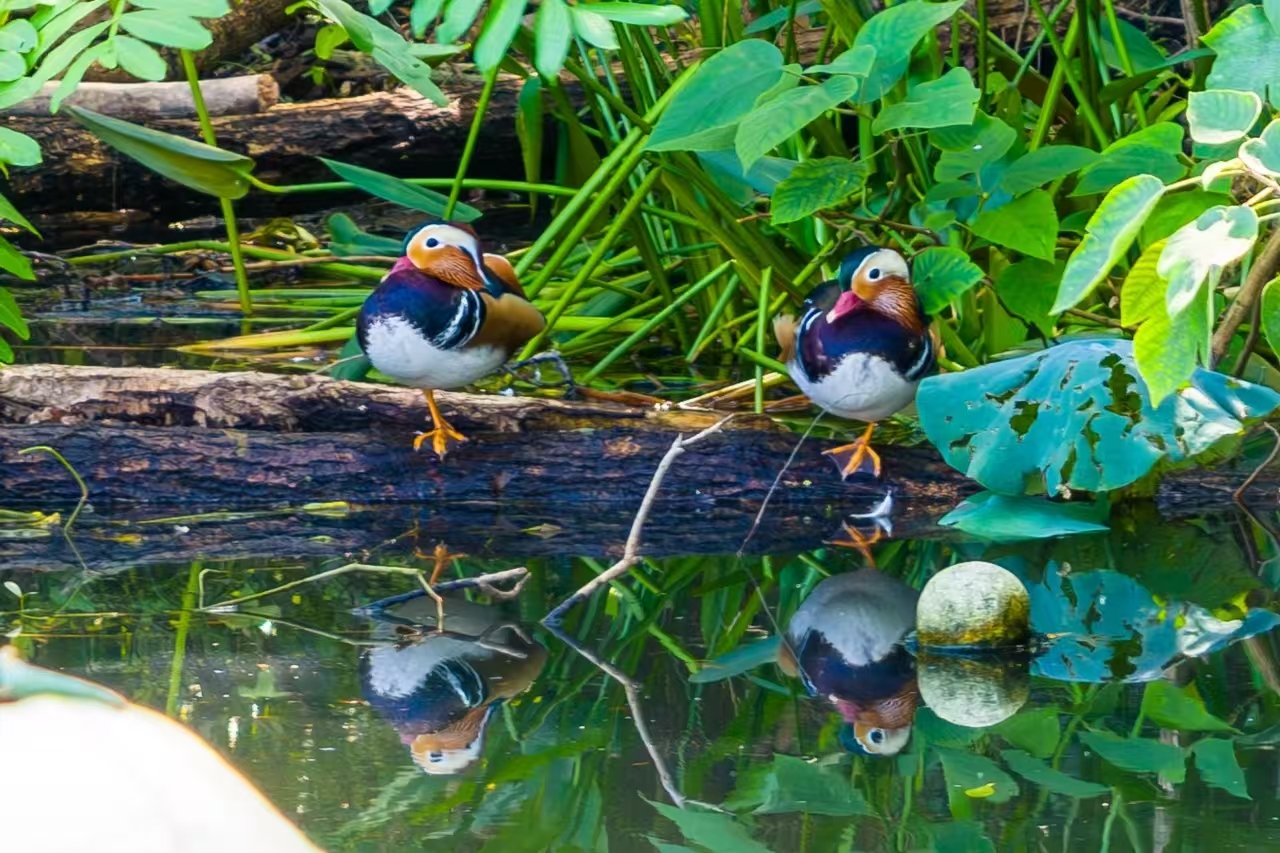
{"x":464,"y":324}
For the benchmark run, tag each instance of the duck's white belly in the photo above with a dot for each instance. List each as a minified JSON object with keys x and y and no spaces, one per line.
{"x":862,"y":388}
{"x":399,"y":351}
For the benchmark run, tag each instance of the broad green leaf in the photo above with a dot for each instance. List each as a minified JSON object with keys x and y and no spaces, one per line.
{"x":18,"y":149}
{"x":1028,"y":224}
{"x":1215,"y":239}
{"x":1216,"y":761}
{"x":1035,"y":730}
{"x":1181,"y":708}
{"x":1166,"y":348}
{"x":459,"y":15}
{"x":6,"y":352}
{"x":1272,"y":8}
{"x":328,"y":38}
{"x":1076,"y":417}
{"x":966,"y":150}
{"x":193,"y":164}
{"x":387,"y":47}
{"x":194,"y":8}
{"x":815,"y":185}
{"x":741,"y":660}
{"x":500,"y":26}
{"x":9,"y":212}
{"x":965,"y":771}
{"x":401,"y":192}
{"x":379,"y":7}
{"x":781,"y":15}
{"x":553,"y":31}
{"x":640,"y":14}
{"x":51,"y":33}
{"x":408,"y":69}
{"x":74,"y":74}
{"x":1248,"y":53}
{"x":856,"y":61}
{"x":14,"y":262}
{"x":942,"y":274}
{"x":1028,"y":288}
{"x":12,"y":66}
{"x":950,"y":99}
{"x":703,"y":116}
{"x":1108,"y":235}
{"x":11,"y":316}
{"x":1040,"y":773}
{"x":1177,"y":209}
{"x":1219,"y":116}
{"x":140,"y":59}
{"x":1142,"y":296}
{"x":166,"y":28}
{"x":1262,"y":155}
{"x":346,"y":238}
{"x":529,"y":130}
{"x":761,"y":179}
{"x":1143,"y":53}
{"x":1153,"y":150}
{"x":716,"y":831}
{"x":765,"y":127}
{"x":960,"y":836}
{"x":1009,"y":518}
{"x":19,"y":36}
{"x":1271,"y":313}
{"x":893,"y":33}
{"x":594,"y":29}
{"x":1138,"y":755}
{"x":1043,"y":165}
{"x":796,"y":786}
{"x":422,"y":14}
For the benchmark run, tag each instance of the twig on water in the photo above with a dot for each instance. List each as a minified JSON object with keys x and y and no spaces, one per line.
{"x":631,"y":553}
{"x":84,"y":495}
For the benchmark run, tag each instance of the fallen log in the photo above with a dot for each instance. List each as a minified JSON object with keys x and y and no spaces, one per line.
{"x":146,"y":102}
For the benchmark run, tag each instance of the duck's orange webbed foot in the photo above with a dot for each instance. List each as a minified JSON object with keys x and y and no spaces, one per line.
{"x":856,"y":457}
{"x":851,"y":537}
{"x":441,"y":433}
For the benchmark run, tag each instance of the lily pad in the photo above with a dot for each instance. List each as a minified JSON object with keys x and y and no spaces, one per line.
{"x":1077,"y":417}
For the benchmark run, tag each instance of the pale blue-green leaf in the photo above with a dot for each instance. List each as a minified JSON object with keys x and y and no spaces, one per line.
{"x":1218,"y":116}
{"x":1138,"y":755}
{"x":166,"y":29}
{"x":1043,"y":165}
{"x":406,"y":68}
{"x":894,"y":33}
{"x":1014,"y":518}
{"x":742,"y":659}
{"x":18,"y":149}
{"x":140,"y":59}
{"x":797,"y":787}
{"x":1272,"y":8}
{"x":19,"y":36}
{"x":1216,"y":761}
{"x":942,"y":274}
{"x":1038,"y":772}
{"x":1180,"y":708}
{"x":743,"y":187}
{"x":1215,"y":239}
{"x":401,"y":192}
{"x":716,"y":831}
{"x":1271,"y":313}
{"x":194,"y":8}
{"x":856,"y":61}
{"x":459,"y":15}
{"x":1153,"y":150}
{"x":1177,"y":209}
{"x":1108,"y":235}
{"x":12,"y":66}
{"x":1248,"y":53}
{"x":964,"y":771}
{"x":594,"y":29}
{"x":423,"y":14}
{"x":640,"y":14}
{"x":1262,"y":155}
{"x":1028,"y":289}
{"x":950,"y":99}
{"x":704,"y":115}
{"x":1143,"y":53}
{"x":767,"y":126}
{"x":781,"y":15}
{"x":1094,"y":427}
{"x":815,"y":185}
{"x":1028,"y":224}
{"x":552,"y":31}
{"x":966,"y":150}
{"x":52,"y":32}
{"x":500,"y":26}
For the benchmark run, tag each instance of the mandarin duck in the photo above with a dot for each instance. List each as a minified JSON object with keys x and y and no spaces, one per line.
{"x":845,"y":645}
{"x":861,"y":346}
{"x":439,"y":690}
{"x":446,"y":315}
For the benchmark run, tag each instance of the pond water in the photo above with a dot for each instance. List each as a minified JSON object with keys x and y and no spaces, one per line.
{"x":1146,"y":720}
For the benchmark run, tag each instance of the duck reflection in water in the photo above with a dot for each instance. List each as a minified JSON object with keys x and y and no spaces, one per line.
{"x":439,"y":690}
{"x":845,"y":645}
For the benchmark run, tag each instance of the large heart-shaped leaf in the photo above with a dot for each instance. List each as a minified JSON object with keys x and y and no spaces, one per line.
{"x":966,"y":150}
{"x":1179,"y":708}
{"x":1153,"y":150}
{"x":1138,"y":755}
{"x":941,"y":274}
{"x":401,"y":192}
{"x":780,"y":118}
{"x":1248,"y":53}
{"x":950,"y":99}
{"x":893,"y":34}
{"x":1217,"y":763}
{"x":1044,"y":165}
{"x":1028,"y":287}
{"x":794,"y":786}
{"x":1215,"y":239}
{"x":1037,"y":771}
{"x":1077,"y":417}
{"x":1219,"y":116}
{"x":194,"y":164}
{"x":816,"y":185}
{"x":1028,"y":224}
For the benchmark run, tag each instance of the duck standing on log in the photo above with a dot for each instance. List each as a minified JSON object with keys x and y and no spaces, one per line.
{"x":445,"y":316}
{"x":861,"y":347}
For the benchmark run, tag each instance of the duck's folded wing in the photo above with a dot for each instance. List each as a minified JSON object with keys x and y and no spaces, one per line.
{"x":784,"y":329}
{"x":510,"y":322}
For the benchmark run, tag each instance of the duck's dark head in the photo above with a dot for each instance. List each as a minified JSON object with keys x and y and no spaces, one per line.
{"x":448,"y":251}
{"x":877,"y":279}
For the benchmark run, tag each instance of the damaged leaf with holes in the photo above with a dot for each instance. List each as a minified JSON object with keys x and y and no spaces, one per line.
{"x":1077,"y":417}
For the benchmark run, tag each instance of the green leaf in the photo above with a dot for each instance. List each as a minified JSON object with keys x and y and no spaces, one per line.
{"x":1216,"y":761}
{"x":1153,"y":150}
{"x":346,"y":238}
{"x":553,"y":30}
{"x":74,"y":74}
{"x":815,"y":185}
{"x":1040,"y":773}
{"x":9,"y":212}
{"x":1142,"y":296}
{"x":1036,"y":730}
{"x":856,"y":61}
{"x":423,"y":14}
{"x":795,"y":785}
{"x":716,"y":831}
{"x":964,"y":771}
{"x":6,"y":352}
{"x":1010,"y":518}
{"x":741,"y":660}
{"x":767,"y":126}
{"x":950,"y":99}
{"x":1166,"y":349}
{"x":594,"y":29}
{"x":893,"y":33}
{"x":19,"y":36}
{"x":1272,"y":8}
{"x":12,"y":66}
{"x":1028,"y":287}
{"x":1181,"y":708}
{"x":1248,"y":53}
{"x":1044,"y":165}
{"x":1028,"y":224}
{"x":18,"y":149}
{"x":387,"y":47}
{"x":1177,"y":209}
{"x":500,"y":27}
{"x":780,"y":15}
{"x":966,"y":150}
{"x":11,"y":316}
{"x":401,"y":192}
{"x":1076,"y":417}
{"x":328,"y":38}
{"x":166,"y":28}
{"x":1271,"y":313}
{"x":640,"y":14}
{"x":942,"y":274}
{"x":1215,"y":239}
{"x":459,"y":15}
{"x":140,"y":59}
{"x":14,"y":262}
{"x":1262,"y":155}
{"x":1219,"y":116}
{"x":193,"y":164}
{"x":1138,"y":755}
{"x":1108,"y":235}
{"x":529,"y":129}
{"x":194,"y":8}
{"x":703,"y":116}
{"x":1144,"y":54}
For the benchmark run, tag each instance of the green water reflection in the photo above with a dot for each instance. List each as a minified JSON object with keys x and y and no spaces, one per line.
{"x":1147,"y":722}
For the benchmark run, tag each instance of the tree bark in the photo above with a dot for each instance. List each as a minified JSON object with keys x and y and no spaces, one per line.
{"x":146,"y":102}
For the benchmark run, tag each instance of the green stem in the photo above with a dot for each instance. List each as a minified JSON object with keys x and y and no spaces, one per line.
{"x":1064,"y":62}
{"x":180,"y":640}
{"x":228,"y":210}
{"x":1126,"y":62}
{"x":762,"y":319}
{"x":482,"y":106}
{"x":1049,"y":109}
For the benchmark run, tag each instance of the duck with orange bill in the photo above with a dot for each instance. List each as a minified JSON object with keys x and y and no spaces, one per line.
{"x":860,"y":347}
{"x":445,"y":316}
{"x":845,"y":645}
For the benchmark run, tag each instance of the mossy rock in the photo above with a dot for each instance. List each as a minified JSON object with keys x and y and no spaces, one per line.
{"x":973,"y":605}
{"x":974,"y":691}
